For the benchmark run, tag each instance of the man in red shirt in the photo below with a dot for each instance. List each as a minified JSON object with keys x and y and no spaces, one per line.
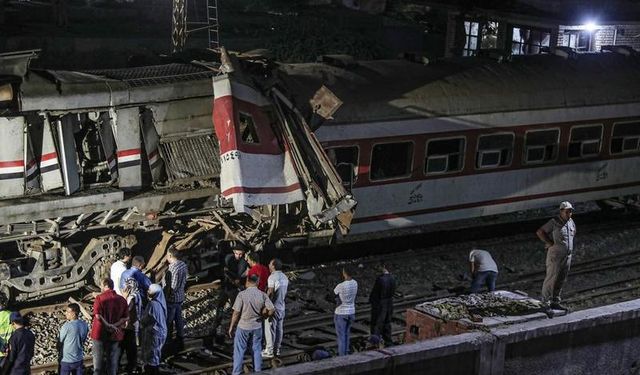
{"x":110,"y":313}
{"x":255,"y":268}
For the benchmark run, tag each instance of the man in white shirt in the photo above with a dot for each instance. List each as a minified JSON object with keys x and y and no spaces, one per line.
{"x":119,"y":266}
{"x":483,"y":269}
{"x":277,"y":285}
{"x":345,"y":313}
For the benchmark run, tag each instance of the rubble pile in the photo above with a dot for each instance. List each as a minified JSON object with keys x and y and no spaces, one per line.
{"x":483,"y":305}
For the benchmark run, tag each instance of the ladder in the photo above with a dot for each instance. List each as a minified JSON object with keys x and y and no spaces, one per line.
{"x":212,"y":18}
{"x":187,"y":19}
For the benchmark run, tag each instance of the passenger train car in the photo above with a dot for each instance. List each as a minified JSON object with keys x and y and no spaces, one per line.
{"x":468,"y":138}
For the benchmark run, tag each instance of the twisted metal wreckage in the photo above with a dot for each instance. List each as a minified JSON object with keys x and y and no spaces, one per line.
{"x":96,"y":160}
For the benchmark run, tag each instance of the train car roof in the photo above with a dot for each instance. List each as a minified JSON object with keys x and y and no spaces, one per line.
{"x":386,"y":90}
{"x":69,"y":90}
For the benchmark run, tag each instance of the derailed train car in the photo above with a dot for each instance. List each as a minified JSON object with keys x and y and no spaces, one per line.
{"x":92,"y":161}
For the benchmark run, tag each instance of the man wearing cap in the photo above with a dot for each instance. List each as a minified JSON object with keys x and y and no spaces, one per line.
{"x":557,"y":235}
{"x":21,"y":347}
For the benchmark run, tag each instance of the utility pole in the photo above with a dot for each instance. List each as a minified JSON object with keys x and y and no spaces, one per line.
{"x":180,"y":24}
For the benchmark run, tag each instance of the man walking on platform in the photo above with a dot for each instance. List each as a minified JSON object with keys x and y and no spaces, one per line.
{"x":557,"y":235}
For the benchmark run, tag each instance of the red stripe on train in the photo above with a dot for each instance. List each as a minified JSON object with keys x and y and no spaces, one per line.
{"x":14,"y":163}
{"x":261,"y":190}
{"x":489,"y":203}
{"x":133,"y":151}
{"x":48,"y":156}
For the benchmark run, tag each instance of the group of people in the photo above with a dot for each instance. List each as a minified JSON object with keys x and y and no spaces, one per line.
{"x":558,"y":235}
{"x":257,"y":296}
{"x":129,"y":310}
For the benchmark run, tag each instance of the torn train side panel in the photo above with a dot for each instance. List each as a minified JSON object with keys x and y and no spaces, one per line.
{"x":269,"y":156}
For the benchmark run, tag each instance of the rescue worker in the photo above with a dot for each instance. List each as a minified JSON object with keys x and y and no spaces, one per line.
{"x":153,"y":329}
{"x":558,"y":235}
{"x":381,"y":299}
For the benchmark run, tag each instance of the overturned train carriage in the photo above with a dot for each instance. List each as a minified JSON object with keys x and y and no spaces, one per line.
{"x":89,"y":160}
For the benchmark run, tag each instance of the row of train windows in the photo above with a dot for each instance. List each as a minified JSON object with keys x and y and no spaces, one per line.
{"x":446,"y":155}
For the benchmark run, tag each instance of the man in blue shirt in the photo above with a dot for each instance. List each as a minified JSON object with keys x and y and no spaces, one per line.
{"x":135,"y":272}
{"x":73,"y":335}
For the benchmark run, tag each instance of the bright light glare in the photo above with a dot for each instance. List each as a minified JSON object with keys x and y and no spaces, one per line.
{"x":590,"y":26}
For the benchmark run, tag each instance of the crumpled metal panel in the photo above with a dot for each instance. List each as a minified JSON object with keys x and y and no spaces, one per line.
{"x":190,"y":158}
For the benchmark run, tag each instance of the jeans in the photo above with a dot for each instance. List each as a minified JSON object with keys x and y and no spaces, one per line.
{"x":343,"y":325}
{"x":240,"y":343}
{"x":174,"y":314}
{"x":68,"y":368}
{"x":275,"y":329}
{"x":487,"y":278}
{"x":105,"y":357}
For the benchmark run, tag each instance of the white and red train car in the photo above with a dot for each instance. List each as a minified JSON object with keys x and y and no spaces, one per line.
{"x":426,"y":144}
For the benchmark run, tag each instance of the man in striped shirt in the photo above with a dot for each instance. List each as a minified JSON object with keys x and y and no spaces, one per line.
{"x":175,"y":282}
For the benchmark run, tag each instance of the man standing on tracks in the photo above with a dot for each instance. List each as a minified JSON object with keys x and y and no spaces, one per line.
{"x":249,"y":309}
{"x":110,"y":313}
{"x":484,"y":270}
{"x":235,"y":272}
{"x":175,"y":282}
{"x":345,"y":313}
{"x":119,"y":266}
{"x":381,"y":299}
{"x":21,"y":347}
{"x":71,"y":340}
{"x":557,"y":235}
{"x":137,"y":264}
{"x":277,"y":285}
{"x":153,"y":324}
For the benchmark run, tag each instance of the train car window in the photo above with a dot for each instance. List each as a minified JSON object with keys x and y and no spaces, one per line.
{"x":345,"y":160}
{"x":495,"y":150}
{"x":541,"y":146}
{"x":626,"y":138}
{"x":248,"y":131}
{"x":585,"y":141}
{"x":391,"y":160}
{"x":444,"y":155}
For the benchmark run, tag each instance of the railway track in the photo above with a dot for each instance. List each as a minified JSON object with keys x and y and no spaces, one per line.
{"x":305,"y":332}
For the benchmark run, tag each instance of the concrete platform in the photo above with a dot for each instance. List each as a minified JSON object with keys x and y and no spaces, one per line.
{"x":603,"y":340}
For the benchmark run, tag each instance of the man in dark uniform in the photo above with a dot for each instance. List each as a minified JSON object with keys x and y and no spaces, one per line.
{"x":235,"y":273}
{"x":381,"y":299}
{"x":21,"y":347}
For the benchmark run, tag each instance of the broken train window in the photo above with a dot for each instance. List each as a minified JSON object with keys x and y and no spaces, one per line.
{"x":248,"y":131}
{"x":541,"y":146}
{"x":345,"y":160}
{"x":626,"y":138}
{"x":585,"y":141}
{"x":444,"y":155}
{"x":494,"y":150}
{"x":391,"y":160}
